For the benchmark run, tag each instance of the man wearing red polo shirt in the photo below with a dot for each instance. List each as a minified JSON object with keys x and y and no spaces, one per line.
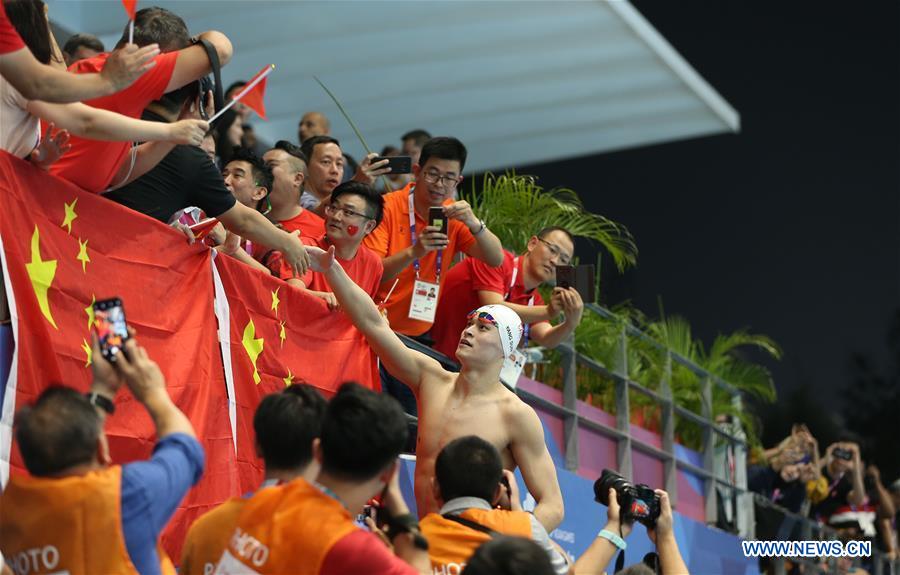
{"x":94,"y":165}
{"x":472,"y":284}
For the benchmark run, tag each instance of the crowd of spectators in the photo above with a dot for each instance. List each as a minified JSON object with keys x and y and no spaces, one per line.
{"x":835,"y":488}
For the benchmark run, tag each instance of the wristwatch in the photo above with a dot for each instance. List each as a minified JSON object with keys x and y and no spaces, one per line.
{"x":481,"y":229}
{"x":101,"y":401}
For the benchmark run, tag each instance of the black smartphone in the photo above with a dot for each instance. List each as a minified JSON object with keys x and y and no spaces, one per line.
{"x":437,"y":218}
{"x":840,"y":453}
{"x":397,"y":164}
{"x":110,"y":327}
{"x":579,"y":277}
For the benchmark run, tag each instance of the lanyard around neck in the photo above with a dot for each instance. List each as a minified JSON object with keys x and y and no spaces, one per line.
{"x":527,"y":328}
{"x":412,"y":239}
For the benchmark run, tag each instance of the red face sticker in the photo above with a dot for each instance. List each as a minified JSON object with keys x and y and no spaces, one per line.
{"x":351,"y":229}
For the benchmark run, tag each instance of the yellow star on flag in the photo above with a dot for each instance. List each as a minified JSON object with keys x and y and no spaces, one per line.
{"x":83,"y":256}
{"x":89,"y":310}
{"x":289,"y":379}
{"x":41,"y":274}
{"x":253,"y":347}
{"x":70,"y":215}
{"x":282,"y":335}
{"x":275,"y":300}
{"x":88,"y":352}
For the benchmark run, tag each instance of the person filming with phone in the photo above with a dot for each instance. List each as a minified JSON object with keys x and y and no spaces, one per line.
{"x":78,"y":513}
{"x":514,"y":283}
{"x":844,"y":474}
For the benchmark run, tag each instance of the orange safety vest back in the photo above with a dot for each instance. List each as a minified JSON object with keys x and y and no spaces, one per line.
{"x":67,"y":525}
{"x":286,"y":529}
{"x":208,"y":537}
{"x":450,"y":544}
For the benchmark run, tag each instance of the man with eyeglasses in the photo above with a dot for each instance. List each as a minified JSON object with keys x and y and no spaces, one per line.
{"x":416,"y":253}
{"x":353,"y":211}
{"x":471,"y":284}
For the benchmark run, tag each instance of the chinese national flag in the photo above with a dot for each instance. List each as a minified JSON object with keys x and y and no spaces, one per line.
{"x":64,"y":249}
{"x":130,"y":7}
{"x":255,"y":97}
{"x":280,"y":335}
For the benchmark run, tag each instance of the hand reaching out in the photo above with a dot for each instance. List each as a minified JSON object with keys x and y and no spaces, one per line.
{"x":127,"y":64}
{"x":53,"y":145}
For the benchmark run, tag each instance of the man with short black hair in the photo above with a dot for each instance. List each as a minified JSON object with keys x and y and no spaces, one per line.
{"x":286,"y":424}
{"x":308,"y":527}
{"x":98,"y":517}
{"x":326,"y":170}
{"x":353,"y":211}
{"x":413,"y":142}
{"x":469,"y":481}
{"x":514,"y":283}
{"x":80,"y":47}
{"x":288,"y":164}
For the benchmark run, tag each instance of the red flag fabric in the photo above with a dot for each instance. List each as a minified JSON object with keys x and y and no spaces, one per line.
{"x":130,"y":7}
{"x":254,"y":98}
{"x":64,"y":249}
{"x":279,"y":336}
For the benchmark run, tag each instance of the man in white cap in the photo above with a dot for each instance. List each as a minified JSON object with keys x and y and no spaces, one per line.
{"x":451,"y":405}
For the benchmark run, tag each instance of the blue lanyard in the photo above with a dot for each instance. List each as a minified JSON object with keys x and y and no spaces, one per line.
{"x":412,"y":236}
{"x":527,"y":328}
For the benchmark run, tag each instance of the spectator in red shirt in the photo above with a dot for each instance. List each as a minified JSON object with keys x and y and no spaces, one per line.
{"x":36,"y":81}
{"x":288,"y":165}
{"x":354,"y":210}
{"x":473,"y":283}
{"x":93,"y":165}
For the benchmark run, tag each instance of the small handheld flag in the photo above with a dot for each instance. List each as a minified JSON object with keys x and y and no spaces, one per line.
{"x":131,"y":9}
{"x":252,"y":94}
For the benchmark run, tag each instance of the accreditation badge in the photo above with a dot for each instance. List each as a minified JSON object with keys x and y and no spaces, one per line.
{"x":512,"y":369}
{"x":424,"y":301}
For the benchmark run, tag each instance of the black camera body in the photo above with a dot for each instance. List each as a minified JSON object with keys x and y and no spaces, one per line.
{"x":636,"y":502}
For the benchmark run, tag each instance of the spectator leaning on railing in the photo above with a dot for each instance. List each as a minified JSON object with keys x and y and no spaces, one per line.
{"x":97,"y":518}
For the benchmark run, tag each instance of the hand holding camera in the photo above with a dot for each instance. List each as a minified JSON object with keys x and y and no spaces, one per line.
{"x":636,"y":502}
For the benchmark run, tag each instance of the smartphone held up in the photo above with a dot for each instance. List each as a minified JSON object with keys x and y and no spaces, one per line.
{"x":110,"y":327}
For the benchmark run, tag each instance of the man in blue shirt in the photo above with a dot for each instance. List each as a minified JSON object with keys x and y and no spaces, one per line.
{"x":85,"y":515}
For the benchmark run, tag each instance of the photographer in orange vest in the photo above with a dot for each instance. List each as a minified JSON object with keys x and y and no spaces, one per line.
{"x":285,"y":424}
{"x":78,"y":514}
{"x":469,"y":483}
{"x":307,"y":527}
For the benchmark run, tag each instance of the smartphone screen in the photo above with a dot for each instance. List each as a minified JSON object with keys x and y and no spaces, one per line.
{"x":110,"y":327}
{"x":565,"y":276}
{"x":437,"y":219}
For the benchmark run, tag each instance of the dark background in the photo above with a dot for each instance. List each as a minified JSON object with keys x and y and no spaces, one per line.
{"x":789,"y":228}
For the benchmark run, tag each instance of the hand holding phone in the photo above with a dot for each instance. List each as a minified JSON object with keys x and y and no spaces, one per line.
{"x":110,"y":327}
{"x":397,"y":164}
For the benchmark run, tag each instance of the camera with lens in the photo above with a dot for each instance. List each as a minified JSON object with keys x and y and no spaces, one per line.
{"x":841,"y":453}
{"x":636,"y":502}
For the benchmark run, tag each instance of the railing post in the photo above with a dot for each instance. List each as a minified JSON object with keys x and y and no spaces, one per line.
{"x":744,"y":515}
{"x":667,"y":416}
{"x":709,"y":445}
{"x":570,"y":402}
{"x":623,"y":407}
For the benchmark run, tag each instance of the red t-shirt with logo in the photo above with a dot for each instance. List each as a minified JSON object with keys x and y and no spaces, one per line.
{"x":92,"y":164}
{"x":10,"y":41}
{"x":459,"y":296}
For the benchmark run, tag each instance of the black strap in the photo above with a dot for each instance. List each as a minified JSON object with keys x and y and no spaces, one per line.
{"x":218,"y":95}
{"x":470,"y":524}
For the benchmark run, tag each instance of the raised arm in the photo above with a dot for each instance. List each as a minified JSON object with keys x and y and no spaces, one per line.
{"x":405,"y":364}
{"x":251,"y":224}
{"x":531,"y":455}
{"x":39,"y":82}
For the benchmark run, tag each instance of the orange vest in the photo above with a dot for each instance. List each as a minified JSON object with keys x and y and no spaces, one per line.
{"x":208,"y":537}
{"x":286,"y":529}
{"x":71,"y":524}
{"x":450,"y":544}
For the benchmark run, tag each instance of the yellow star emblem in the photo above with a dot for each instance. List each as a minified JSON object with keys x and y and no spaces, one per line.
{"x":41,"y":274}
{"x":89,"y":310}
{"x":282,"y":335}
{"x":70,"y":215}
{"x":289,"y":380}
{"x":88,"y":352}
{"x":253,"y":347}
{"x":275,"y":300}
{"x":83,"y":256}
